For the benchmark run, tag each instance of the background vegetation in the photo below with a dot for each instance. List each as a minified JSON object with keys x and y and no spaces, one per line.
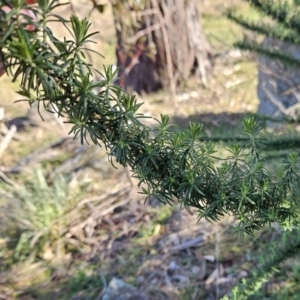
{"x":71,"y":222}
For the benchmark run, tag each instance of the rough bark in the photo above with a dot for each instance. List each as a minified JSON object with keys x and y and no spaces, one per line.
{"x":159,"y":43}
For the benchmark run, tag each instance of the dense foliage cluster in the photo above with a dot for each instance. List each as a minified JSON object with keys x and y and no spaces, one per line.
{"x":280,"y":21}
{"x":169,"y":164}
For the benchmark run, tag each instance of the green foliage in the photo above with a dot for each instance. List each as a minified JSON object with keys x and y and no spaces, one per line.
{"x":269,"y":265}
{"x":170,"y":165}
{"x":280,"y":20}
{"x":87,"y":283}
{"x":181,"y":165}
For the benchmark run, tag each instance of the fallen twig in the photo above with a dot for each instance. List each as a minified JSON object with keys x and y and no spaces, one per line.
{"x":188,"y":244}
{"x":8,"y":180}
{"x":7,"y":139}
{"x":4,"y":130}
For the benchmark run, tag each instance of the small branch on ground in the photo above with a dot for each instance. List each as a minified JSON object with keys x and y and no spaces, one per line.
{"x":6,"y":140}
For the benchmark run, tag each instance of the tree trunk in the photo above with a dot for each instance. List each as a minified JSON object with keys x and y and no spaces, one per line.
{"x":160,"y":43}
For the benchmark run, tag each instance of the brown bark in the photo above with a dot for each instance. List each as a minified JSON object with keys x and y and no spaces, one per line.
{"x":159,"y":43}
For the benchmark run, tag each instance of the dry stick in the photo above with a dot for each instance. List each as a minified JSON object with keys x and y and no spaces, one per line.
{"x":168,"y":52}
{"x":101,"y":198}
{"x":2,"y":113}
{"x":276,"y":102}
{"x":294,"y":87}
{"x":4,"y":130}
{"x":148,"y":24}
{"x":7,"y":138}
{"x":8,"y":180}
{"x":187,"y":244}
{"x":134,"y":61}
{"x":143,"y":32}
{"x":101,"y":211}
{"x":148,"y":29}
{"x":145,"y":12}
{"x":290,"y":90}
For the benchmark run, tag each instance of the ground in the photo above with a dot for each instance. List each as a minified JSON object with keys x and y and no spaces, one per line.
{"x":92,"y":224}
